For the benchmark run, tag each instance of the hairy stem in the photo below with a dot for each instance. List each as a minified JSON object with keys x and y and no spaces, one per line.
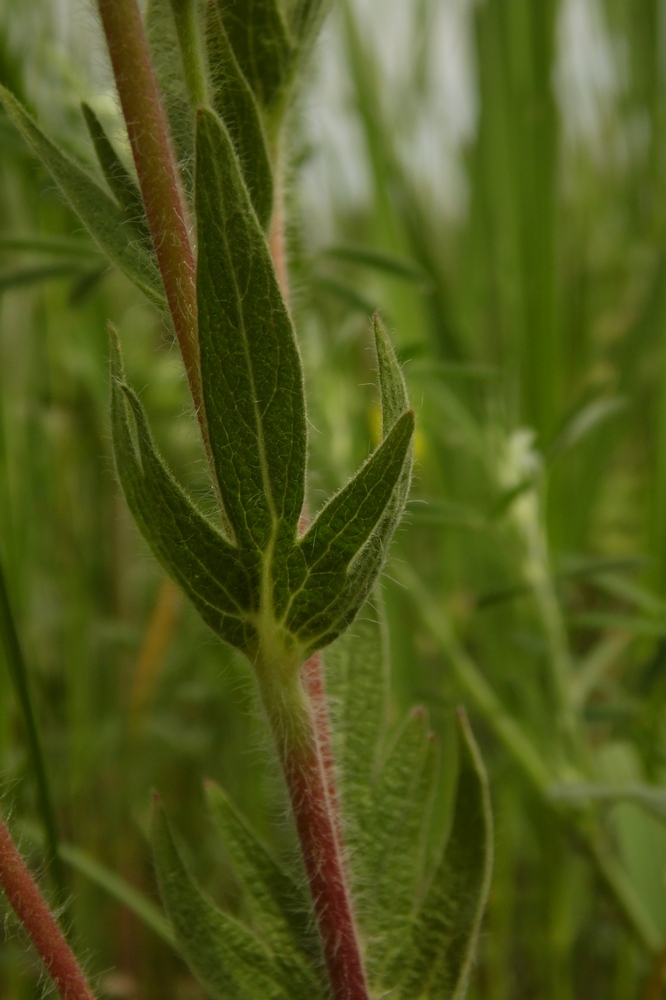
{"x":309,"y":778}
{"x":184,"y":12}
{"x":35,"y":916}
{"x":149,"y":138}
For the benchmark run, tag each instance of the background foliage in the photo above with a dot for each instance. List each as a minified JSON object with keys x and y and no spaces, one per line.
{"x":491,"y":176}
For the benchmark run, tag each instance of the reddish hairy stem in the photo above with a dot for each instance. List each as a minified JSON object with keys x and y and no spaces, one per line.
{"x":31,"y":909}
{"x":313,"y":682}
{"x":148,"y":133}
{"x":310,"y":782}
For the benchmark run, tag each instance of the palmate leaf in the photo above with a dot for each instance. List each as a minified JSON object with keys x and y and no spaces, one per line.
{"x":250,"y":366}
{"x":279,"y":910}
{"x":118,"y":177}
{"x":226,"y":957}
{"x":262,"y":46}
{"x":98,"y":212}
{"x":236,"y":106}
{"x":436,"y":958}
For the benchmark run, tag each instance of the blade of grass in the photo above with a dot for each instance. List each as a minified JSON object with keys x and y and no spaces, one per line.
{"x":19,"y":675}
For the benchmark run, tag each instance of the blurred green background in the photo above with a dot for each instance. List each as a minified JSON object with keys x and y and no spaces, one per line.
{"x":492,"y":177}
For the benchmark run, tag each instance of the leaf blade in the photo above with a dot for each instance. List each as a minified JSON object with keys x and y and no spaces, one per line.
{"x":236,"y":106}
{"x":280,"y":912}
{"x":438,"y":958}
{"x":223,"y":954}
{"x":211,"y":572}
{"x":250,"y":365}
{"x":97,"y":211}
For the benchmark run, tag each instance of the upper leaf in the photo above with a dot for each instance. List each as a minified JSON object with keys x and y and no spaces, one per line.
{"x":223,"y":954}
{"x":250,"y":366}
{"x":262,"y":46}
{"x":234,"y":102}
{"x":98,"y":212}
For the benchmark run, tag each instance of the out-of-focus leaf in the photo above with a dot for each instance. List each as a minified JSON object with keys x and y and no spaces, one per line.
{"x":279,"y":910}
{"x":99,"y":213}
{"x":379,"y":260}
{"x":34,"y":275}
{"x":223,"y":954}
{"x":118,"y":177}
{"x":261,"y":44}
{"x":234,"y":102}
{"x":437,"y":956}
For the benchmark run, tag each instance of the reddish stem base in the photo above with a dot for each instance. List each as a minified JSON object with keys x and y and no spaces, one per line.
{"x":31,"y":909}
{"x":308,"y":768}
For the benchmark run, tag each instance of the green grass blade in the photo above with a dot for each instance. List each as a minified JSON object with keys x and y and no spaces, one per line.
{"x":119,"y":889}
{"x":98,"y":212}
{"x":18,"y":672}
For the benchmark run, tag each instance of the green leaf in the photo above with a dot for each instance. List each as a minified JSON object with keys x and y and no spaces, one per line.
{"x":60,"y":246}
{"x":168,"y":64}
{"x":99,"y":213}
{"x":250,"y":366}
{"x":341,"y":553}
{"x":261,"y":44}
{"x":402,"y":806}
{"x":221,"y":582}
{"x":223,"y":954}
{"x":280,"y":912}
{"x":379,"y":260}
{"x":357,"y":680}
{"x":235,"y":104}
{"x":118,"y":177}
{"x":650,"y":797}
{"x":438,"y":955}
{"x":118,"y":888}
{"x":306,"y":21}
{"x":17,"y":277}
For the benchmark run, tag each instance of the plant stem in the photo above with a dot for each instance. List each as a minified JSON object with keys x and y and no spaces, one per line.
{"x":19,"y":675}
{"x":35,"y":916}
{"x":184,"y":12}
{"x":309,"y":778}
{"x":148,"y":133}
